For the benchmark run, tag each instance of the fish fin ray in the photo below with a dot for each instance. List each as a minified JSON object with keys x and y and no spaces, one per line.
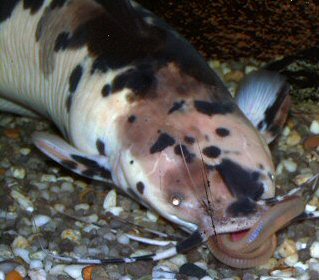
{"x":91,"y":166}
{"x":263,"y":96}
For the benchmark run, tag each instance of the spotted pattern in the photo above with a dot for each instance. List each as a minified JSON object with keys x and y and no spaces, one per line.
{"x":212,"y":152}
{"x":73,"y":84}
{"x":33,"y":5}
{"x":242,"y":207}
{"x":176,"y":106}
{"x":131,"y":119}
{"x":69,"y":164}
{"x":100,"y":146}
{"x":222,"y":132}
{"x":6,"y":8}
{"x":140,"y":187}
{"x":106,"y":90}
{"x":164,"y":140}
{"x":189,"y":140}
{"x":213,"y":108}
{"x":181,"y":150}
{"x":240,"y":182}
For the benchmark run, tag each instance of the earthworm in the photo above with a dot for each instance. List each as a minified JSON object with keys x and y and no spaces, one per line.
{"x":259,"y":242}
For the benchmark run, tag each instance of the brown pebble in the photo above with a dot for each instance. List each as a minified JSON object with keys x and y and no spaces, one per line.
{"x":12,"y":133}
{"x":311,"y":142}
{"x":2,"y":171}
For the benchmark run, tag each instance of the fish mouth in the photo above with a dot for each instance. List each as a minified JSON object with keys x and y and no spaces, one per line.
{"x":254,"y":246}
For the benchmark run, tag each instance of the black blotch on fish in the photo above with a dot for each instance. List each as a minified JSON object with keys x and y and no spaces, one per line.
{"x":242,"y":207}
{"x":140,"y":187}
{"x":131,"y":119}
{"x":176,"y":106}
{"x":182,"y":150}
{"x":62,"y":41}
{"x":33,"y":5}
{"x":74,"y":80}
{"x":222,"y":132}
{"x":106,"y":90}
{"x":6,"y":8}
{"x":240,"y":182}
{"x":138,"y":80}
{"x":57,"y":4}
{"x":101,"y":172}
{"x":69,"y":164}
{"x":213,"y":108}
{"x":85,"y":161}
{"x":189,"y":140}
{"x":99,"y":65}
{"x":163,"y":141}
{"x":100,"y":146}
{"x":212,"y":152}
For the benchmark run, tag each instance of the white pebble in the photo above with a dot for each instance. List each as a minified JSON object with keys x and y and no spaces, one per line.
{"x":301,"y":245}
{"x":162,"y":272}
{"x":2,"y":275}
{"x":179,"y":260}
{"x":20,"y":242}
{"x":286,"y":131}
{"x":290,"y":165}
{"x":74,"y":271}
{"x":151,"y":216}
{"x":21,"y":270}
{"x":37,"y":274}
{"x":314,"y":127}
{"x":18,"y":172}
{"x":314,"y":249}
{"x":41,"y":220}
{"x":57,"y":269}
{"x":291,"y":260}
{"x":55,"y":189}
{"x":36,"y":264}
{"x":310,"y":208}
{"x":25,"y":151}
{"x":82,"y":206}
{"x":91,"y":219}
{"x":109,"y":200}
{"x":67,"y":187}
{"x":301,"y":265}
{"x":123,"y":239}
{"x":125,"y":278}
{"x":90,"y":227}
{"x":59,"y":207}
{"x":116,"y":211}
{"x":39,"y":255}
{"x":22,"y":200}
{"x":48,"y":178}
{"x":22,"y":253}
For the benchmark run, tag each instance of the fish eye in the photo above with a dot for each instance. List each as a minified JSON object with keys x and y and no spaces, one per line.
{"x":271,"y":176}
{"x":176,"y":200}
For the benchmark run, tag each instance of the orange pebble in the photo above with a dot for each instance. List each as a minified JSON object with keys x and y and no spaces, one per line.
{"x":2,"y":171}
{"x":87,"y":272}
{"x":311,"y":142}
{"x":14,"y":275}
{"x":12,"y":133}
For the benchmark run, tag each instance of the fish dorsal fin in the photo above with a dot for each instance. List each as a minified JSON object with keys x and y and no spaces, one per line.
{"x":92,"y":166}
{"x":263,"y":96}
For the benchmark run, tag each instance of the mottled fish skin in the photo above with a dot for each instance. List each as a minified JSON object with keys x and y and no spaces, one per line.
{"x":120,"y":84}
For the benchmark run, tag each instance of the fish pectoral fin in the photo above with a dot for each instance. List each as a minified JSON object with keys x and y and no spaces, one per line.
{"x":92,"y":166}
{"x":263,"y":96}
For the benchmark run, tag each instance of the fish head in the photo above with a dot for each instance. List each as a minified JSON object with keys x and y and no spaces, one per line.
{"x":192,"y":156}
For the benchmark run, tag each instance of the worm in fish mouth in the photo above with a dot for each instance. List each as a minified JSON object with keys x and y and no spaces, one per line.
{"x":255,"y":246}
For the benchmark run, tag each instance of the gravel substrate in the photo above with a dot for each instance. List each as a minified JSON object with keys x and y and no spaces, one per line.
{"x":45,"y":206}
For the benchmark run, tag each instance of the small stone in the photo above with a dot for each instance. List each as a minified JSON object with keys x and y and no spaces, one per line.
{"x":39,"y":255}
{"x":36,"y":264}
{"x":293,"y":139}
{"x":123,"y":239}
{"x":25,"y":151}
{"x":314,"y":127}
{"x":291,"y":260}
{"x":152,"y":216}
{"x":18,"y":172}
{"x":20,"y":242}
{"x":48,"y":178}
{"x":22,"y":200}
{"x":22,"y":253}
{"x":91,"y":219}
{"x":302,"y":178}
{"x":82,"y":206}
{"x":311,"y":142}
{"x":110,"y":200}
{"x":57,"y":269}
{"x":249,"y":69}
{"x":287,"y":248}
{"x":75,"y":271}
{"x":234,"y":76}
{"x":2,"y":275}
{"x":286,"y":131}
{"x":116,"y":211}
{"x":290,"y":165}
{"x":314,"y":249}
{"x":41,"y":220}
{"x":12,"y":133}
{"x":67,"y":187}
{"x":72,"y":235}
{"x":59,"y":207}
{"x":37,"y":274}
